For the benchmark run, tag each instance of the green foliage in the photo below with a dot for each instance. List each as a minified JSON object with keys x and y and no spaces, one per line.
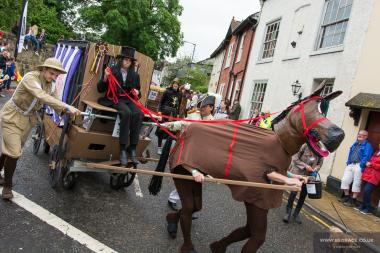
{"x":9,"y":13}
{"x":188,"y":72}
{"x":151,"y":26}
{"x":39,"y":14}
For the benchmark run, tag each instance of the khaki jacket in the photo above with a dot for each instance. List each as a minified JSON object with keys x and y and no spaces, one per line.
{"x":30,"y":95}
{"x":18,"y":116}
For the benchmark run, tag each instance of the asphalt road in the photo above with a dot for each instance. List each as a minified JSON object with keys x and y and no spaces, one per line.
{"x":125,"y":221}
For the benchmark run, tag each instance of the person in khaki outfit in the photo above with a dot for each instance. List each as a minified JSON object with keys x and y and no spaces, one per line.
{"x":18,"y":116}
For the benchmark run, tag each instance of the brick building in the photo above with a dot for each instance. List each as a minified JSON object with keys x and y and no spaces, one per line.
{"x":236,"y":47}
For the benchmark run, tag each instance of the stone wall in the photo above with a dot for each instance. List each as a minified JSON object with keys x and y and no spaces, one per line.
{"x":28,"y":60}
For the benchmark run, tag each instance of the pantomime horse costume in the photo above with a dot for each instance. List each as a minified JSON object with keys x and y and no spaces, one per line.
{"x":246,"y":153}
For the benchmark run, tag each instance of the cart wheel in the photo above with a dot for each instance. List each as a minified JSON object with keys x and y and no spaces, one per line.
{"x":46,"y":147}
{"x":118,"y":181}
{"x":37,"y":138}
{"x":56,"y":171}
{"x":129,"y":177}
{"x":68,"y":181}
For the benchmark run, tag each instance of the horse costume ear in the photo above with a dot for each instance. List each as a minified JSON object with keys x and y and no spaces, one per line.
{"x":319,"y":89}
{"x":333,"y":95}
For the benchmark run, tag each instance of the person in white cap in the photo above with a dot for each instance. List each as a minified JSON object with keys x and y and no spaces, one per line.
{"x":19,"y":115}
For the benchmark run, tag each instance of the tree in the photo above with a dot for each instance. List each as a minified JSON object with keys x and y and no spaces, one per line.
{"x":151,"y":26}
{"x":38,"y":14}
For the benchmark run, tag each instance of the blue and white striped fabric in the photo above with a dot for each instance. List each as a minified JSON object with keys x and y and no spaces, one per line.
{"x":69,"y":56}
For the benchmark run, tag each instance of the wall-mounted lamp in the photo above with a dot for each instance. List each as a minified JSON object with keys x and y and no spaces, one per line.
{"x":296,"y":86}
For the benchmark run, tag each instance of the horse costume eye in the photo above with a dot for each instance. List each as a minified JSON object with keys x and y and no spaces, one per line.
{"x":323,"y":106}
{"x":319,"y":108}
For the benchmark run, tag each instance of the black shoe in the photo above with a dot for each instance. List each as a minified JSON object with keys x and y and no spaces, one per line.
{"x":344,"y":199}
{"x":173,"y":206}
{"x":287,"y":216}
{"x":172,"y":230}
{"x":193,"y":217}
{"x":123,"y":158}
{"x":351,"y":202}
{"x":132,"y":155}
{"x":297,"y":218}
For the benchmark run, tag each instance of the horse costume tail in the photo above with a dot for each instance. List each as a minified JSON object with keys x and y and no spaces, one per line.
{"x":156,"y":181}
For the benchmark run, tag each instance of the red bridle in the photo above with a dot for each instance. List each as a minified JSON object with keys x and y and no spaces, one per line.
{"x":301,"y":107}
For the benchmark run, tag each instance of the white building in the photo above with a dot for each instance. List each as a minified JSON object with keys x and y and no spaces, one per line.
{"x":218,"y":56}
{"x":308,"y":41}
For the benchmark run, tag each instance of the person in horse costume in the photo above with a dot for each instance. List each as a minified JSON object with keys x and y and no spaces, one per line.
{"x":257,"y":155}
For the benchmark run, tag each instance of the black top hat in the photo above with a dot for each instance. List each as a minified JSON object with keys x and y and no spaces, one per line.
{"x":209,"y":100}
{"x":127,"y":52}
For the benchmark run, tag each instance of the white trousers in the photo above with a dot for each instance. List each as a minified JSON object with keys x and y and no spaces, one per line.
{"x":352,"y":172}
{"x":173,"y":196}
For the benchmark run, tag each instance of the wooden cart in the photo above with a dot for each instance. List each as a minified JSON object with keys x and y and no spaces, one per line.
{"x":74,"y":143}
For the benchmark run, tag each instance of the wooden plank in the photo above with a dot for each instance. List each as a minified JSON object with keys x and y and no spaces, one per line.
{"x":97,"y":106}
{"x":116,"y":162}
{"x":207,"y":179}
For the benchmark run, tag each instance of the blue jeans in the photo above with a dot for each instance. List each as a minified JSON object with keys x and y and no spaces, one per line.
{"x":368,"y":188}
{"x":34,"y":41}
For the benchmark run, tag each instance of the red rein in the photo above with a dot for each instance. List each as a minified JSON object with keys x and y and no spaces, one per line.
{"x":301,"y":108}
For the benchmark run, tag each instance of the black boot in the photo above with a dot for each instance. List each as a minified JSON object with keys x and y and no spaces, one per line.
{"x":296,"y":216}
{"x":123,"y":158}
{"x":288,"y":215}
{"x":132,"y":154}
{"x":9,"y":169}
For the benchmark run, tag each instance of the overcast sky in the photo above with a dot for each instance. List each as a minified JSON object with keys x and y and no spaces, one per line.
{"x":205,"y":23}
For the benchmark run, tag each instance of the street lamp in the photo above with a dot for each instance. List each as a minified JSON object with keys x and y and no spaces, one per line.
{"x":194,"y":45}
{"x":296,"y":86}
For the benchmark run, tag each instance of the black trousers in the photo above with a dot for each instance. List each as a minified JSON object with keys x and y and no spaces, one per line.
{"x":131,"y":119}
{"x":161,"y":134}
{"x":301,"y":199}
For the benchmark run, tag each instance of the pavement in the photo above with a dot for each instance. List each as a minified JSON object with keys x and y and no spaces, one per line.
{"x":347,"y":218}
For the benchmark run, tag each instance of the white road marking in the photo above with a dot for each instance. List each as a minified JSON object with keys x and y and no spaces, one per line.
{"x":60,"y":224}
{"x":137,"y":187}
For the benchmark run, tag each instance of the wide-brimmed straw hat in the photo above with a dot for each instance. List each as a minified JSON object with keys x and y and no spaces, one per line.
{"x":53,"y":64}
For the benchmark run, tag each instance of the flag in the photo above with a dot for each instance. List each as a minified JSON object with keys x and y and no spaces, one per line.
{"x":22,"y":28}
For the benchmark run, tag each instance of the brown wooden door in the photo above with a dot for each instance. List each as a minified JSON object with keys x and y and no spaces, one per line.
{"x":373,"y":128}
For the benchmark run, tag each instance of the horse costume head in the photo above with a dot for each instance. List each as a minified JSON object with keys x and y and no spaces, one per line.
{"x":305,"y":121}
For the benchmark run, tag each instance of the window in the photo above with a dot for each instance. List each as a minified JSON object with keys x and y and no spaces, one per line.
{"x":334,"y":25}
{"x":229,"y":56}
{"x":241,"y":47}
{"x":270,"y":39}
{"x":329,"y":85}
{"x":258,"y":96}
{"x":236,"y":93}
{"x":328,"y":89}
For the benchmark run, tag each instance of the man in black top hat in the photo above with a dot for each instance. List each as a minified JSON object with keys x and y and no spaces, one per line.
{"x":130,"y":115}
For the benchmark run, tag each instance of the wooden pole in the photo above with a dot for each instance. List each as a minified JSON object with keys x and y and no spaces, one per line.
{"x":179,"y":176}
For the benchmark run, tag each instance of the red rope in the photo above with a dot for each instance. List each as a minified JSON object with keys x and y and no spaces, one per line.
{"x":301,"y":108}
{"x":113,"y":84}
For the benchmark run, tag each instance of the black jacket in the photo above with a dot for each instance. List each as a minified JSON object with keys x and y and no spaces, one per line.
{"x":170,"y":99}
{"x":132,"y":82}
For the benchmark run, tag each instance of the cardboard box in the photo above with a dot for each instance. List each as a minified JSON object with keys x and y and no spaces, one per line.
{"x":96,"y":145}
